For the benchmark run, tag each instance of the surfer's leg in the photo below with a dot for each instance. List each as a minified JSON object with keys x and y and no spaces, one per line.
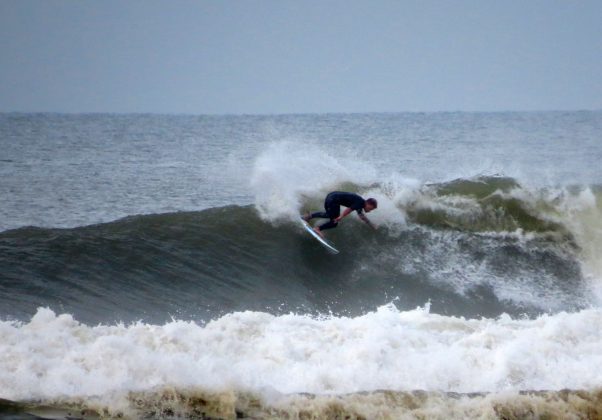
{"x":333,"y":210}
{"x":329,"y":225}
{"x":320,"y":214}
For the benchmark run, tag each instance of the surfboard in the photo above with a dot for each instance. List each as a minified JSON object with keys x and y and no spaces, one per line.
{"x":324,"y":242}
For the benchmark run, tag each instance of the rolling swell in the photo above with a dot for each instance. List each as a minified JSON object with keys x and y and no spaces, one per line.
{"x":199,"y":265}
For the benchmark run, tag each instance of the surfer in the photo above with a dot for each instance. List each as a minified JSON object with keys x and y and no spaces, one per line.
{"x":332,"y":205}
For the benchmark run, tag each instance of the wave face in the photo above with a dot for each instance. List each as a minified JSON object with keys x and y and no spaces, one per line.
{"x":479,"y":247}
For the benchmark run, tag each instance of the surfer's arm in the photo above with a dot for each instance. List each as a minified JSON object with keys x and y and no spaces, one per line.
{"x":366,"y":220}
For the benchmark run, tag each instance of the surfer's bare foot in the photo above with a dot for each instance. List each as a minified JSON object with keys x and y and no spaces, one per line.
{"x":306,"y":217}
{"x":319,"y":232}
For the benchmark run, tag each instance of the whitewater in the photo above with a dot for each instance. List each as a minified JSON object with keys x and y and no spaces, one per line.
{"x":153,"y":266}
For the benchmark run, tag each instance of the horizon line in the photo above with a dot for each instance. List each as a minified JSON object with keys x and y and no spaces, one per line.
{"x":276,"y":114}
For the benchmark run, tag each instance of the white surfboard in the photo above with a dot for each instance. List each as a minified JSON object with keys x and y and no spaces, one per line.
{"x":324,"y":242}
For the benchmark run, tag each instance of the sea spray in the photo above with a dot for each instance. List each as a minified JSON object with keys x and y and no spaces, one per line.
{"x":285,"y":175}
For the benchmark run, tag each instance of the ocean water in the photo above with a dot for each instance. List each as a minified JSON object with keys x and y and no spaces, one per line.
{"x":153,"y":266}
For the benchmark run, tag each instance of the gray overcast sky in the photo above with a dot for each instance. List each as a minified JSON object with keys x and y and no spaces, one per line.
{"x":257,"y":57}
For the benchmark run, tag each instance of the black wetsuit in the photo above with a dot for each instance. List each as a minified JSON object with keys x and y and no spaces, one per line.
{"x":333,"y":204}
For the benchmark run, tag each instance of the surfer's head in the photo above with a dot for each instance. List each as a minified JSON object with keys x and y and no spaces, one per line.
{"x":370,"y":205}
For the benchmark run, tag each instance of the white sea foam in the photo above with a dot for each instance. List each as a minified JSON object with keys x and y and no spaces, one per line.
{"x":54,"y":356}
{"x":583,"y":215}
{"x":580,"y":212}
